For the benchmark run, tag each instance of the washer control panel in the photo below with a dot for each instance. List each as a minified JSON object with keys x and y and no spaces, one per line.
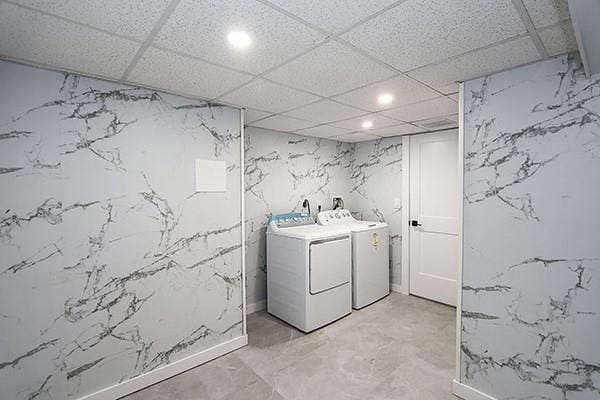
{"x":334,"y":216}
{"x":290,"y":220}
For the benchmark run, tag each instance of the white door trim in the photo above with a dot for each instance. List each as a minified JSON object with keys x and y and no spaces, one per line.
{"x":405,"y":238}
{"x":461,"y":150}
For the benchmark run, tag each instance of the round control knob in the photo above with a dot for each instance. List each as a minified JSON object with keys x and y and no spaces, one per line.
{"x":337,"y":215}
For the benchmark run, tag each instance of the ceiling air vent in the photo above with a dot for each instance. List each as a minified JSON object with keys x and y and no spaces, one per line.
{"x":442,"y":123}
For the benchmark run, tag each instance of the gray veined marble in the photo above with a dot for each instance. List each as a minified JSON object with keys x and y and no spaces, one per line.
{"x":111,"y":265}
{"x":281,"y":170}
{"x":531,"y":278}
{"x":376,"y":180}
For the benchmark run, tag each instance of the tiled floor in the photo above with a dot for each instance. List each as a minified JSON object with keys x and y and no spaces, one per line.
{"x":399,"y":348}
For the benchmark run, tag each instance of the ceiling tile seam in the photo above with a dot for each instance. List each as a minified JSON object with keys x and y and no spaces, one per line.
{"x":296,"y":18}
{"x":554,"y":25}
{"x":455,"y":57}
{"x":72,"y":21}
{"x":416,"y":121}
{"x":63,"y":70}
{"x":262,"y":74}
{"x":545,"y":27}
{"x":203,"y":60}
{"x":526,"y":20}
{"x":375,"y":59}
{"x":329,"y":36}
{"x":508,"y":69}
{"x":370,"y":17}
{"x":54,"y":68}
{"x":288,"y":116}
{"x":157,"y":27}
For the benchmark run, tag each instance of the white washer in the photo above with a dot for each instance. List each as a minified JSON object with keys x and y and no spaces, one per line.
{"x":370,"y":255}
{"x":309,"y":271}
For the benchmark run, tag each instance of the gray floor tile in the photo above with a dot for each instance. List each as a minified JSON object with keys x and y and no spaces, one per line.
{"x":399,"y":348}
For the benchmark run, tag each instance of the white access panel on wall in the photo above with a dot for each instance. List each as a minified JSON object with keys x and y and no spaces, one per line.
{"x":211,"y":176}
{"x":434,"y":222}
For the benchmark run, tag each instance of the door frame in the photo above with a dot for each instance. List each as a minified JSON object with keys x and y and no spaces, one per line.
{"x":404,"y":286}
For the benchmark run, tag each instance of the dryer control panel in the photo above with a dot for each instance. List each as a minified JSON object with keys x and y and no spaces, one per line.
{"x":290,"y":219}
{"x":330,"y":217}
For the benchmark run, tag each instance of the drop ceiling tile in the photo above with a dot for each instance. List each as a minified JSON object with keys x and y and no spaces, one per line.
{"x":423,"y":110}
{"x":354,"y":124}
{"x":282,"y":123}
{"x":325,"y":111}
{"x":131,"y":18}
{"x":396,"y":130}
{"x":477,"y":64}
{"x":449,"y":88}
{"x":330,"y":69}
{"x":200,"y":28}
{"x":322,"y":131}
{"x":332,"y":15}
{"x":355,"y":137}
{"x":179,"y":74}
{"x":454,"y":96}
{"x":403,"y":89}
{"x":31,"y":36}
{"x":559,"y":39}
{"x":268,"y":96}
{"x":547,"y":12}
{"x":251,"y":115}
{"x":420,"y":32}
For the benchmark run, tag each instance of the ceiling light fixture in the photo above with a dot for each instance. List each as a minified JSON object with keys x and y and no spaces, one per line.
{"x":367,"y":124}
{"x":239,"y":39}
{"x":385,"y":98}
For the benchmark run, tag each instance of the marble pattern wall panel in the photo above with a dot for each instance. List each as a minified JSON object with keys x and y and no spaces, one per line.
{"x":111,"y":265}
{"x":375,"y":183}
{"x":281,"y":170}
{"x":531,"y":278}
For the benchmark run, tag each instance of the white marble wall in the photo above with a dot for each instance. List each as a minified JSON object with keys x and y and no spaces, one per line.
{"x":282,"y":170}
{"x":531,"y":294}
{"x":375,"y":181}
{"x":111,"y":265}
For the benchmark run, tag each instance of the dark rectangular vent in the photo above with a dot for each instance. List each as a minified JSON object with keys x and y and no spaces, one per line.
{"x":438,"y":124}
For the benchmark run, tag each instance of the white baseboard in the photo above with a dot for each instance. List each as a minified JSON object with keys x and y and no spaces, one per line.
{"x":468,"y":393}
{"x":398,"y":288}
{"x":167,"y":371}
{"x":254,"y":307}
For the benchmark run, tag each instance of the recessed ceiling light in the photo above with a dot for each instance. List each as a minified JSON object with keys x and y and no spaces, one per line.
{"x":385,"y":98}
{"x":239,"y":39}
{"x":367,"y":124}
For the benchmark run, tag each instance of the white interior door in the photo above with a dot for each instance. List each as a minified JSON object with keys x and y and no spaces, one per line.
{"x":433,"y":212}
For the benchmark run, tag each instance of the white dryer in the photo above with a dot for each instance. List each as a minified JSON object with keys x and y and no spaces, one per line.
{"x":370,"y":255}
{"x":309,"y":271}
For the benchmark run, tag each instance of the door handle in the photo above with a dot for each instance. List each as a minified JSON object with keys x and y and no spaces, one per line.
{"x":414,"y":222}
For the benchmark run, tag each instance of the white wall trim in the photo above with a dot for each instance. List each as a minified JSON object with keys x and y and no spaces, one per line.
{"x":468,"y":393}
{"x":167,"y":371}
{"x":243,"y":220}
{"x":461,"y":150}
{"x":404,"y":287}
{"x":256,"y":306}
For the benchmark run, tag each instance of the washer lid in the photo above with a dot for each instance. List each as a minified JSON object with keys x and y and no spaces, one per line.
{"x":311,"y":232}
{"x":361,"y":226}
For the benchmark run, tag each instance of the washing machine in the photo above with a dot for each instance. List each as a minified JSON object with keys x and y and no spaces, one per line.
{"x":309,"y":271}
{"x":370,"y":255}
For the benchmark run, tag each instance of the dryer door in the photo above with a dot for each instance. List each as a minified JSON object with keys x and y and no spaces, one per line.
{"x":330,"y":263}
